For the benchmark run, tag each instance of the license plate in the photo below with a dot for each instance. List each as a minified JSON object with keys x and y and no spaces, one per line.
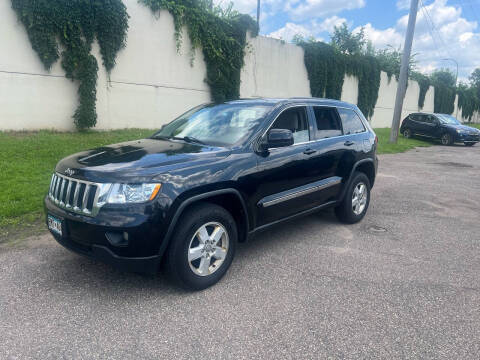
{"x":55,"y":224}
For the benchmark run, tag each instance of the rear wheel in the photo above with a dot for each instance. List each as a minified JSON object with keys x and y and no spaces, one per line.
{"x":202,"y":248}
{"x":407,"y":133}
{"x":446,"y":139}
{"x":356,"y":201}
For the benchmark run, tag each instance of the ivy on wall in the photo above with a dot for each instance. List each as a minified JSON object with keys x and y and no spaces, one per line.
{"x":74,"y":24}
{"x":327,"y":67}
{"x":221,"y":38}
{"x":424,"y":83}
{"x":468,"y":101}
{"x":444,"y":102}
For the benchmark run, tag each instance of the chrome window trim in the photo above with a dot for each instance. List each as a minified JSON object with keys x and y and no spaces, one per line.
{"x":314,"y":140}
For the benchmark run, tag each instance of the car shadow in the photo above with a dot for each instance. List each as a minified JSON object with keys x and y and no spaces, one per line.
{"x":91,"y":276}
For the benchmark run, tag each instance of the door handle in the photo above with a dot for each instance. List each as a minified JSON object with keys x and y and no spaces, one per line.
{"x":349,"y":143}
{"x":309,"y":152}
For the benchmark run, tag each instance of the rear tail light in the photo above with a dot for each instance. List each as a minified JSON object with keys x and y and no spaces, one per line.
{"x":376,"y":139}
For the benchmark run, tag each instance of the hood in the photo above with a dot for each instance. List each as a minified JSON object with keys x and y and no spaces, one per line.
{"x":463,"y":128}
{"x":140,"y":159}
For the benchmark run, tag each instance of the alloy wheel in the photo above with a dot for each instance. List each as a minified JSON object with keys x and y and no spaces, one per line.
{"x":359,"y":198}
{"x":445,"y":139}
{"x":208,"y":249}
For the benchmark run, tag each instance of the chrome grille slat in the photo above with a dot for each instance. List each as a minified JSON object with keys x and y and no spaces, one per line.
{"x":67,"y":197}
{"x":85,"y":203}
{"x":60,"y":196}
{"x":85,"y":198}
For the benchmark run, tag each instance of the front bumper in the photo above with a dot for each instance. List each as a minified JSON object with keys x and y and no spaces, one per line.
{"x":467,"y":138}
{"x":90,"y":237}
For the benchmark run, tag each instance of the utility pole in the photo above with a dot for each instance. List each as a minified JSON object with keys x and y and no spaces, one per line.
{"x":258,"y":15}
{"x":403,"y":78}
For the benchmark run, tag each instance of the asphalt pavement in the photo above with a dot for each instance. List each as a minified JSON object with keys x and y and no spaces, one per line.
{"x":403,"y":283}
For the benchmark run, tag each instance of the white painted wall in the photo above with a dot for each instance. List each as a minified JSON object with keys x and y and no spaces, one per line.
{"x":273,"y":68}
{"x":152,"y":83}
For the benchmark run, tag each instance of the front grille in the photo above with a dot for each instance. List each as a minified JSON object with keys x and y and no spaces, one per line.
{"x":74,"y":195}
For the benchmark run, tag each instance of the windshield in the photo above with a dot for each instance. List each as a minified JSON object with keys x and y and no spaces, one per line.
{"x":448,"y":119}
{"x":219,"y":125}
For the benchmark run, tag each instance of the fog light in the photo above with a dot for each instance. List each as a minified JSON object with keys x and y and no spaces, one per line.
{"x":117,"y":238}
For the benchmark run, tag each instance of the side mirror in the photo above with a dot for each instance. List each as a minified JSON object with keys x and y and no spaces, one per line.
{"x":278,"y":138}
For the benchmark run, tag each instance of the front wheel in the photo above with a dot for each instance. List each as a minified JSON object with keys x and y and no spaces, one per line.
{"x":356,"y":201}
{"x":446,"y":139}
{"x":203,"y":247}
{"x":469,"y":144}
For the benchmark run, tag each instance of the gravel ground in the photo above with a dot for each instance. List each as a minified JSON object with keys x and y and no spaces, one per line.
{"x":404,"y":283}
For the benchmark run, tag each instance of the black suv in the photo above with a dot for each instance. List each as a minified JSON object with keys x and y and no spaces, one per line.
{"x":211,"y":178}
{"x":444,"y":127}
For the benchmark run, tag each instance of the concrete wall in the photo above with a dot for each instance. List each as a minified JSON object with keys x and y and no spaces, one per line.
{"x":152,"y":83}
{"x":273,"y":69}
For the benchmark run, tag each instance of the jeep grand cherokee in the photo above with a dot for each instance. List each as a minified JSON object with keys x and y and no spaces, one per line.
{"x":209,"y":179}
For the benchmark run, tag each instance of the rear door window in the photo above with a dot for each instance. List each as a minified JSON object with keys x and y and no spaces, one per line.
{"x":327,"y":121}
{"x":351,"y":122}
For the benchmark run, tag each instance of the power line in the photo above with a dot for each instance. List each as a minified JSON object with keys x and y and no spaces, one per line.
{"x":434,"y":28}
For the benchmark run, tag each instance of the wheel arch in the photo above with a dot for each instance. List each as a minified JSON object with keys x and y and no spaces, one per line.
{"x":366,"y":166}
{"x":230,"y":199}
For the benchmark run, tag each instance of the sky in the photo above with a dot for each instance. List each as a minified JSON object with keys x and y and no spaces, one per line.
{"x":445,"y":29}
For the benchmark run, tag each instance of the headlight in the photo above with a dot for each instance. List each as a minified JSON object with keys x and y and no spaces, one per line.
{"x":461,"y":132}
{"x":127,"y":193}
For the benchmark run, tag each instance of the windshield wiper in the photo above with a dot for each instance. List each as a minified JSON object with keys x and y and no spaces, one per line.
{"x":189,"y":139}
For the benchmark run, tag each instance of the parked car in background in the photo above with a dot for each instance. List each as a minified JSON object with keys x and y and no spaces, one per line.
{"x":216,"y":175}
{"x":443,"y":127}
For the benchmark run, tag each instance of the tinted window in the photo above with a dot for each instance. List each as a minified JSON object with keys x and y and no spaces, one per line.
{"x":295,"y":120}
{"x":426,"y":119}
{"x":351,"y":122}
{"x":328,"y":123}
{"x":415,"y":117}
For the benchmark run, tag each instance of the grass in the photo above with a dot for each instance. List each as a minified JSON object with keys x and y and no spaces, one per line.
{"x":403,"y":144}
{"x":473,"y":125}
{"x":27,"y":161}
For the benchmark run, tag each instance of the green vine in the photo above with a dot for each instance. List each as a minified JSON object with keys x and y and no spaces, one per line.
{"x":74,"y":24}
{"x":327,"y":67}
{"x":221,"y":36}
{"x":424,"y":84}
{"x":444,"y":101}
{"x":468,"y":101}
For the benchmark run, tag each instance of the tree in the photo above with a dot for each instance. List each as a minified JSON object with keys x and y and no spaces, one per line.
{"x":390,"y":60}
{"x":347,"y":42}
{"x":445,"y":90}
{"x":475,"y":81}
{"x":443,"y":77}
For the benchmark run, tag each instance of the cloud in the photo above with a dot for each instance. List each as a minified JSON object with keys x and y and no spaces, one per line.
{"x":289,"y":31}
{"x":319,"y":8}
{"x":382,"y":38}
{"x":328,"y":24}
{"x":440,"y":32}
{"x":403,"y":4}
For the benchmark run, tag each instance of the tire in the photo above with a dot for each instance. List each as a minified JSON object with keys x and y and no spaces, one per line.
{"x":446,"y":139}
{"x":206,"y":270}
{"x":469,"y":144}
{"x":348,"y":213}
{"x":407,"y":133}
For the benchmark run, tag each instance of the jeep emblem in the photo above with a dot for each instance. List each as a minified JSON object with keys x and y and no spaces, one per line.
{"x":69,"y":172}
